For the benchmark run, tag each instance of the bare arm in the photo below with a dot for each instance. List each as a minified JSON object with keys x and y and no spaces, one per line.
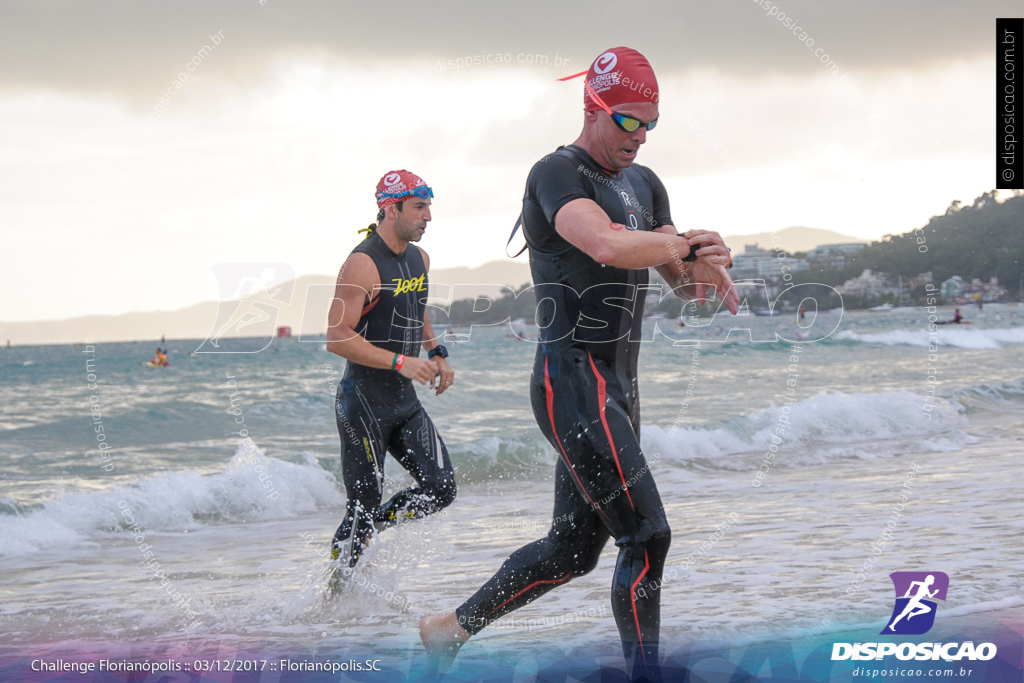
{"x":357,"y":280}
{"x":587,"y":227}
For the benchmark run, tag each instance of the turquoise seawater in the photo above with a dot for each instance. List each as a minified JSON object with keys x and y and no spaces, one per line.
{"x":98,"y":450}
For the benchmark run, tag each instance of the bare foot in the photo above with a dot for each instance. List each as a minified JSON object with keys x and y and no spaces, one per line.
{"x":442,"y":636}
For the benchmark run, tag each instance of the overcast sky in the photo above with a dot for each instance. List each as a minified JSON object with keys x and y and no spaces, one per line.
{"x":112,"y":200}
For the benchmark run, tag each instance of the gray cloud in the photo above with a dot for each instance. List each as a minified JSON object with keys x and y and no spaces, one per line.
{"x":133,"y":49}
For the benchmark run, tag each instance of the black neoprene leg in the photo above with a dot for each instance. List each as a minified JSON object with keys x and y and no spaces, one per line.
{"x":571,"y":548}
{"x":603,"y":486}
{"x":362,"y":465}
{"x":418,"y":448}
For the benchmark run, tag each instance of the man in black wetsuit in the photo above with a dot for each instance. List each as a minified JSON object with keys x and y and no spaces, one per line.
{"x":377,"y":323}
{"x":595,"y":222}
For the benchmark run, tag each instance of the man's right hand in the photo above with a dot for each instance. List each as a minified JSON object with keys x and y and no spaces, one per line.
{"x":422,"y":370}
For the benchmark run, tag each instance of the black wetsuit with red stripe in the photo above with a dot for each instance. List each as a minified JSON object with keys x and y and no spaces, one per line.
{"x":378,"y":412}
{"x":584,"y":397}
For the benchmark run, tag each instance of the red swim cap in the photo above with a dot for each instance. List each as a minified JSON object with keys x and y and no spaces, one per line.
{"x":398,"y":185}
{"x":620,"y":75}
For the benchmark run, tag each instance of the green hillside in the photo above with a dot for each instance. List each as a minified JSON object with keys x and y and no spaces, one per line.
{"x":980,"y":240}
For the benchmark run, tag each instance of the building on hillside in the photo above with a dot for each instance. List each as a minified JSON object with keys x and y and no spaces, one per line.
{"x":833,"y":256}
{"x":985,"y":291}
{"x":761,"y":264}
{"x":868,"y":285}
{"x":953,"y":288}
{"x":925,"y":278}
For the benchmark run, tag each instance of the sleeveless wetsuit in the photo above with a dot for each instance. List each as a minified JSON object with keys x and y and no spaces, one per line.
{"x":378,"y":412}
{"x":584,"y":397}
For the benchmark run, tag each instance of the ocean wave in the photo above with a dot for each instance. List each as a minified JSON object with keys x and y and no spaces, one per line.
{"x":817,"y":430}
{"x":492,"y":458}
{"x":250,"y":487}
{"x":960,"y":337}
{"x":1003,"y":397}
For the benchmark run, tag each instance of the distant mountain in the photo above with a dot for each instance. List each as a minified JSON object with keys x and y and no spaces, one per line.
{"x":486,"y":280}
{"x":301,"y":304}
{"x":187,"y":323}
{"x":981,"y":240}
{"x":195,"y":322}
{"x":791,"y":239}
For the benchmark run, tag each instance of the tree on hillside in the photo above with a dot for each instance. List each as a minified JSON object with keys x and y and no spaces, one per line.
{"x":982,"y":240}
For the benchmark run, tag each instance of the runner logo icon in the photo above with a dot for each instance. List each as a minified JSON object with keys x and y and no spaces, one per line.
{"x":916,"y":592}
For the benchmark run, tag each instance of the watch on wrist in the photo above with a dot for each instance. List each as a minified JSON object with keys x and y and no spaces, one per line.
{"x":692,"y":256}
{"x":438,"y":350}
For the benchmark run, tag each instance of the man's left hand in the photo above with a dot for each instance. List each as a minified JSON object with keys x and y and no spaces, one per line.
{"x":709,"y":275}
{"x":445,"y":375}
{"x":710,"y":267}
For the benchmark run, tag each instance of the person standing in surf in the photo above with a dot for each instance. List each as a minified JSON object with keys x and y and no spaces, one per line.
{"x":594,"y":223}
{"x":377,"y":322}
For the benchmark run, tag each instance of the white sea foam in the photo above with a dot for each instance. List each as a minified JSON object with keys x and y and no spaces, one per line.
{"x":255,"y":566}
{"x":251,"y":486}
{"x":946,"y":336}
{"x":1000,"y":398}
{"x":817,"y":430}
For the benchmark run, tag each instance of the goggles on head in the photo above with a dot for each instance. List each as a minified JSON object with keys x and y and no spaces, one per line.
{"x":421,"y":191}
